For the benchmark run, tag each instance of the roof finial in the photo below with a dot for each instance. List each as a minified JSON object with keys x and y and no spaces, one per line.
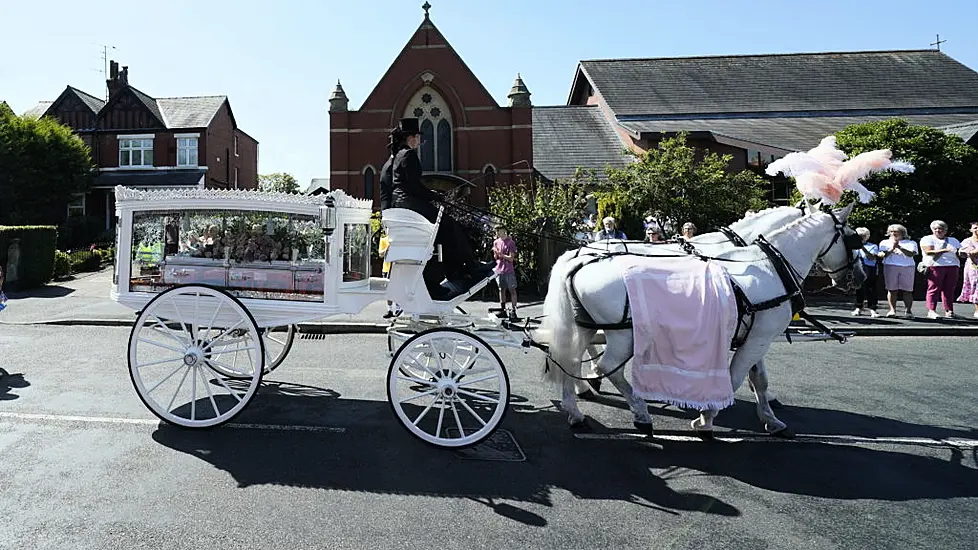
{"x":426,"y":6}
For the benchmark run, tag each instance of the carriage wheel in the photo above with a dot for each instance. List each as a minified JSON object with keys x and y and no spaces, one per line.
{"x":463,"y":395}
{"x":278,"y":341}
{"x":195,"y":356}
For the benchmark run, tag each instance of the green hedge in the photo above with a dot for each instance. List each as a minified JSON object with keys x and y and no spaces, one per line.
{"x":37,"y":245}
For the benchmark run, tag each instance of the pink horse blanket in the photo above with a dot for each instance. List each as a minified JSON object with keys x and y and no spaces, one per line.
{"x":684,"y":315}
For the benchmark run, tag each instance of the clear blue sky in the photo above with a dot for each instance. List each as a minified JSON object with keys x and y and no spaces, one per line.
{"x":279,"y":61}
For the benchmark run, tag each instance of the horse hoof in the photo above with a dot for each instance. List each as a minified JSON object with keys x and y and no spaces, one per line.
{"x":705,"y":435}
{"x":783,"y":433}
{"x":595,"y":385}
{"x":644,"y":428}
{"x":580,"y":426}
{"x":775,"y":404}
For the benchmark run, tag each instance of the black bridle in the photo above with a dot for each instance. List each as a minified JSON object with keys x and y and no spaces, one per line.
{"x":851,"y":240}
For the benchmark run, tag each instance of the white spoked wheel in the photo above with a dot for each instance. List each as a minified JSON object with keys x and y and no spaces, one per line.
{"x":278,"y":341}
{"x":461,"y":397}
{"x":195,"y":356}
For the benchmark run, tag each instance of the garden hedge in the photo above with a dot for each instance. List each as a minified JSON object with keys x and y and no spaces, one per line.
{"x":37,"y":245}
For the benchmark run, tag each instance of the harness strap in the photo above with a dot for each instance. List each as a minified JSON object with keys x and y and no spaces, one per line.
{"x":732,"y":236}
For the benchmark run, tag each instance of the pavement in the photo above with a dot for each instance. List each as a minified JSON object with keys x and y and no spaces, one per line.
{"x":84,"y":301}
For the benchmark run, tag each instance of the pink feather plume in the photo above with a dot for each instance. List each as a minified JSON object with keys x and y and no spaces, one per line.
{"x":863,"y":165}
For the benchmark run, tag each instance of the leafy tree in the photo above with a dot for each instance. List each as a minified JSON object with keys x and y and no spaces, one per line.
{"x":941,"y":187}
{"x":673,"y":186}
{"x":42,"y":164}
{"x":280,"y":182}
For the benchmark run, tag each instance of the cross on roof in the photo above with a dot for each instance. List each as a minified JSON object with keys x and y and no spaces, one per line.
{"x":938,"y":43}
{"x":426,"y":6}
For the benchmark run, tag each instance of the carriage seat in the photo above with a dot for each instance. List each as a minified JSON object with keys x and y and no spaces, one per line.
{"x":411,"y":236}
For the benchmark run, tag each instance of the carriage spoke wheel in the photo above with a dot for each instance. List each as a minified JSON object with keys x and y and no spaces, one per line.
{"x":189,"y":351}
{"x":278,"y":342}
{"x":448,"y":387}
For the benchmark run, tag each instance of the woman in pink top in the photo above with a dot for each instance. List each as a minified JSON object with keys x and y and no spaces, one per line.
{"x":969,"y":249}
{"x":504,"y":251}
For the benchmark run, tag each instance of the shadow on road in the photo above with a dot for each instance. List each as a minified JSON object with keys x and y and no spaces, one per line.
{"x":9,"y":382}
{"x":376,"y":455}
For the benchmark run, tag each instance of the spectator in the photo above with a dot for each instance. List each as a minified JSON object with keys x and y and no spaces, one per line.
{"x":504,"y":251}
{"x":3,"y":297}
{"x":897,"y":254}
{"x":689,"y":230}
{"x":393,"y":310}
{"x":969,"y":249}
{"x":609,"y":231}
{"x":940,"y":255}
{"x":868,"y":255}
{"x":653,"y":234}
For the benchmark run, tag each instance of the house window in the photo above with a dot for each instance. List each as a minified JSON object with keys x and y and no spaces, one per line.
{"x":368,"y":183}
{"x":135,"y":152}
{"x":435,"y":116}
{"x":77,"y":205}
{"x":753,"y":157}
{"x":187,"y":151}
{"x":235,"y":145}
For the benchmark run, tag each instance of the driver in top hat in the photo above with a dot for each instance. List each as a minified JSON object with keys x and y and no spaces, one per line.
{"x":461,"y":267}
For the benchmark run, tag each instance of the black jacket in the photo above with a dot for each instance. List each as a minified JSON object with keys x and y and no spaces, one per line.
{"x":409,"y":192}
{"x":387,"y":184}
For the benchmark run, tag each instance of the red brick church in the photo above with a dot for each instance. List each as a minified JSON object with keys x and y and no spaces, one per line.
{"x":753,"y":107}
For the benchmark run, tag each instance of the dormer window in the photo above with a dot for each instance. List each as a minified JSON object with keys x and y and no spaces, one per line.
{"x":187,"y":151}
{"x":136,"y":151}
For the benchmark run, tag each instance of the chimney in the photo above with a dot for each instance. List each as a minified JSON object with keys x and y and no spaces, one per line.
{"x":117,"y":80}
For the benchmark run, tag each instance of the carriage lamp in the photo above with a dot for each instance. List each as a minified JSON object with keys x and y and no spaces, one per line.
{"x":327,"y":219}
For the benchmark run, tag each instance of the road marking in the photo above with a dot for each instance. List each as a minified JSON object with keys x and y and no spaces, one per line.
{"x":801,"y":438}
{"x":149,"y":422}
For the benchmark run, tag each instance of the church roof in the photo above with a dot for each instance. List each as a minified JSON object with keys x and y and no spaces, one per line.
{"x":807,"y":82}
{"x":965,"y":130}
{"x":568,"y":137}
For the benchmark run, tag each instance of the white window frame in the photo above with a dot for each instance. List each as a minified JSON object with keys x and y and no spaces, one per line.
{"x":189,"y":144}
{"x":130,"y":144}
{"x":77,"y":203}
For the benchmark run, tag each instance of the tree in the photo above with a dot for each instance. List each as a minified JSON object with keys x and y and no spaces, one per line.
{"x":280,"y":182}
{"x":671,"y":185}
{"x":941,"y":187}
{"x":42,"y":165}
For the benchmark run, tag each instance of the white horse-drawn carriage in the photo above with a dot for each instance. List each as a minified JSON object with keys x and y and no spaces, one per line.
{"x":221,"y":278}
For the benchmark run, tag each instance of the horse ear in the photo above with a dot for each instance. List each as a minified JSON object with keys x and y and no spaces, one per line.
{"x":843,"y":214}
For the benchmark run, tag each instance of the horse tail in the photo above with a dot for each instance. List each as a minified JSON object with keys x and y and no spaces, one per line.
{"x":557,"y":328}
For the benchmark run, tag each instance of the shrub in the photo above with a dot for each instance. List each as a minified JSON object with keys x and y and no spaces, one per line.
{"x":83,"y":261}
{"x":37,"y":247}
{"x":62,"y":265}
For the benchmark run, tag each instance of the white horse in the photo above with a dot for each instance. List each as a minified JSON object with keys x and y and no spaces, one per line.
{"x":817,"y":237}
{"x":748,"y":229}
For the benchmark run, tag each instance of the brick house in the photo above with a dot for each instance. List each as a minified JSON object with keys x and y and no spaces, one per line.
{"x":467,"y":136}
{"x":145,"y":142}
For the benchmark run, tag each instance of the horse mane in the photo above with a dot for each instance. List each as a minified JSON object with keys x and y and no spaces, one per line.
{"x":757,"y":214}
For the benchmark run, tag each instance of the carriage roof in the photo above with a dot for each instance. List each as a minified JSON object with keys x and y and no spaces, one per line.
{"x":233,"y":199}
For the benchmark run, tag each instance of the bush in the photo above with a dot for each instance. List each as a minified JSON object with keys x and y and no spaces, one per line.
{"x":62,"y":265}
{"x":83,"y":261}
{"x":80,"y":232}
{"x":37,"y":247}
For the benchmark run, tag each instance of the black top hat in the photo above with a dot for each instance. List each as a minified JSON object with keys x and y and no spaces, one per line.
{"x":409,"y":126}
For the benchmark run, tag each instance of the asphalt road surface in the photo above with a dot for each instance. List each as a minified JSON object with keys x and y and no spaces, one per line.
{"x":885,"y":458}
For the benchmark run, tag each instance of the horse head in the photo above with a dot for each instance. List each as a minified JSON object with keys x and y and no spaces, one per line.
{"x":840,"y":258}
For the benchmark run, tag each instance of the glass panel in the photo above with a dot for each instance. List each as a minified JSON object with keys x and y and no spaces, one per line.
{"x":356,"y":252}
{"x":264,"y":255}
{"x":137,"y":157}
{"x":444,"y":146}
{"x":193,"y":159}
{"x":427,"y":146}
{"x":181,"y":157}
{"x":123,"y":158}
{"x":148,"y":157}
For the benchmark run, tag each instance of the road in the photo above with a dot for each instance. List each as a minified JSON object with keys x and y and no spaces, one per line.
{"x":887,"y":458}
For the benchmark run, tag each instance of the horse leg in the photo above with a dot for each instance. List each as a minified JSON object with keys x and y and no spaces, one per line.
{"x":746,"y":357}
{"x":617,"y":352}
{"x":590,"y":387}
{"x":758,"y":381}
{"x":772,"y":399}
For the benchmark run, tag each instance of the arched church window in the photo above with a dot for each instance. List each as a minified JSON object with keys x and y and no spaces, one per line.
{"x":444,"y":146}
{"x":436,"y":151}
{"x":490,"y":176}
{"x":427,"y":146}
{"x":368,"y":183}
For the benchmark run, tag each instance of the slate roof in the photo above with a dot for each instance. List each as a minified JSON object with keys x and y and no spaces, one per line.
{"x":93,"y":103}
{"x":149,"y":178}
{"x":965,"y":130}
{"x":786,"y":133}
{"x":150,"y":103}
{"x":190,"y":112}
{"x":38,"y":110}
{"x":568,"y":137}
{"x":783,"y":82}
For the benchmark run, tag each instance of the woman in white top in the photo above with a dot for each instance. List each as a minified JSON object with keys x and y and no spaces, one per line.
{"x":868,"y":255}
{"x":941,"y":256}
{"x":897,"y":254}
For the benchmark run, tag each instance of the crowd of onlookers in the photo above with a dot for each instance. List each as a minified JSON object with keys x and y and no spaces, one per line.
{"x":940,"y":263}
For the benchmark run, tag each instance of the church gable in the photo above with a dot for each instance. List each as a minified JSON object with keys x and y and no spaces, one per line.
{"x":428,"y":60}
